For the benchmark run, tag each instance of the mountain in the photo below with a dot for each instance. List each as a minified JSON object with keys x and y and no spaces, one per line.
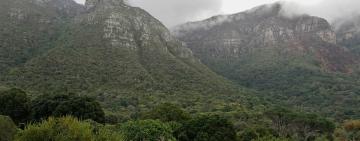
{"x":120,"y":54}
{"x":29,"y":27}
{"x":293,"y":60}
{"x":348,"y":32}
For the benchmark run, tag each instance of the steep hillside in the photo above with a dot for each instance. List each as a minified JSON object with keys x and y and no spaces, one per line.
{"x":29,"y":28}
{"x":121,"y":55}
{"x":293,"y":60}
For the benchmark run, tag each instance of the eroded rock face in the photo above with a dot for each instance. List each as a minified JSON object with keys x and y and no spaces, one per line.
{"x":264,"y":27}
{"x":348,"y":31}
{"x":125,"y":31}
{"x":113,"y":46}
{"x":90,"y":4}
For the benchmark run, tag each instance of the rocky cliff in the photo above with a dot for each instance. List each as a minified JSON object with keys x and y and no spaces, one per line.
{"x":348,"y":32}
{"x":266,"y":27}
{"x":290,"y":58}
{"x":111,"y":50}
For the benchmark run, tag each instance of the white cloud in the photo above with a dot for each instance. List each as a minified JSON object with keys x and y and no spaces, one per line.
{"x":80,"y":1}
{"x":173,"y":12}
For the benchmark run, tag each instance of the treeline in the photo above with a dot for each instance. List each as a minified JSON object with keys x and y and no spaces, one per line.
{"x":71,"y":117}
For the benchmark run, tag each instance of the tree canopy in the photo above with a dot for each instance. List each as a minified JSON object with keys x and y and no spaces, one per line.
{"x":207,"y":128}
{"x":15,"y":103}
{"x":67,"y":104}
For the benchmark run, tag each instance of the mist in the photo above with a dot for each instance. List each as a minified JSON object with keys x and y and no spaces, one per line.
{"x":332,"y":10}
{"x":173,"y":12}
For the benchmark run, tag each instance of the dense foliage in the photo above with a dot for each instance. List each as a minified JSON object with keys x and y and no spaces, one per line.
{"x":65,"y":129}
{"x":350,"y":131}
{"x":149,"y":130}
{"x":15,"y":103}
{"x":299,"y":126}
{"x":67,"y":104}
{"x":168,"y":112}
{"x":207,"y":128}
{"x":130,"y":66}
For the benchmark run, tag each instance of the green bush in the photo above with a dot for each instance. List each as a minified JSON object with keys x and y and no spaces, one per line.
{"x":66,"y":129}
{"x":7,"y":129}
{"x":147,"y":130}
{"x":15,"y":103}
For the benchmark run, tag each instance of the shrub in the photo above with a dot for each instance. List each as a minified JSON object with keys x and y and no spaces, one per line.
{"x":7,"y":129}
{"x":66,"y":129}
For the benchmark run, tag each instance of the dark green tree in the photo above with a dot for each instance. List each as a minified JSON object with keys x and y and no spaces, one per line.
{"x":7,"y":129}
{"x":253,"y":133}
{"x":168,"y":112}
{"x":69,"y":104}
{"x":15,"y":104}
{"x":207,"y":128}
{"x":303,"y":126}
{"x":310,"y":126}
{"x":281,"y":119}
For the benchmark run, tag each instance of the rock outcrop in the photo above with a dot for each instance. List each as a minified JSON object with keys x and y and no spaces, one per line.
{"x":266,"y":27}
{"x":110,"y":47}
{"x":348,"y":32}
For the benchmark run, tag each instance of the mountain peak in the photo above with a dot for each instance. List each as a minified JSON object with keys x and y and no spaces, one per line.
{"x":90,"y":4}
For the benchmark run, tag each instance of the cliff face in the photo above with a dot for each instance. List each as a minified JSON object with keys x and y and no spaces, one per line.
{"x":110,"y":47}
{"x":266,"y":27}
{"x":295,"y":60}
{"x":348,"y":33}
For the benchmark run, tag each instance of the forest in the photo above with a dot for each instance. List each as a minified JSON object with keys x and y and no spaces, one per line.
{"x":70,"y":117}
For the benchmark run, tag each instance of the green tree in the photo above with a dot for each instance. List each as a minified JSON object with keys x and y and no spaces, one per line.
{"x":146,"y":130}
{"x":207,"y":128}
{"x":272,"y":138}
{"x":302,"y":126}
{"x":15,"y":103}
{"x":69,"y":104}
{"x":250,"y":134}
{"x":310,"y":126}
{"x":66,"y":129}
{"x":7,"y":129}
{"x":168,"y":112}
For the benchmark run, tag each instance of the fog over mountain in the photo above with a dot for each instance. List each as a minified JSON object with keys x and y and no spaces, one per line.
{"x":174,"y":12}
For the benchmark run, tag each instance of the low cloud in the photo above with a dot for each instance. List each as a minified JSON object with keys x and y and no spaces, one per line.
{"x":173,"y":12}
{"x":332,"y":10}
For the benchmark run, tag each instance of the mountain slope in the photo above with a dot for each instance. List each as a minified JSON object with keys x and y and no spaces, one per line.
{"x":121,"y":54}
{"x":29,"y":27}
{"x":293,"y":60}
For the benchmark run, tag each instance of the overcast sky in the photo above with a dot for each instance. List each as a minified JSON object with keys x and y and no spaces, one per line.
{"x":174,"y":12}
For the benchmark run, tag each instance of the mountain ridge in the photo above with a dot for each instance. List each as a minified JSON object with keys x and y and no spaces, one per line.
{"x":291,"y":58}
{"x":116,"y":52}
